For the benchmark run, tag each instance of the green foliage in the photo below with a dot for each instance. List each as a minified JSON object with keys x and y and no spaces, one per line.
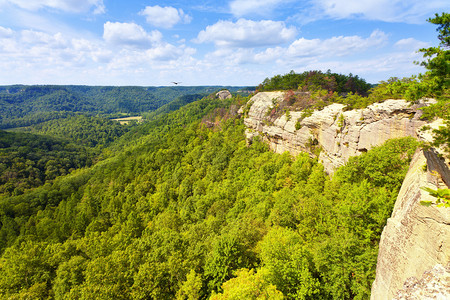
{"x":438,"y":78}
{"x":411,"y":89}
{"x":83,"y":130}
{"x":443,"y":20}
{"x":298,"y":124}
{"x":442,"y":197}
{"x":381,"y":165}
{"x":316,"y":80}
{"x":226,"y":257}
{"x":341,"y":121}
{"x":438,"y":58}
{"x":26,"y":271}
{"x":27,"y":105}
{"x":191,"y":288}
{"x":173,"y":105}
{"x":288,"y":115}
{"x":179,"y":209}
{"x":183,"y":208}
{"x":29,"y":160}
{"x":248,"y":285}
{"x":289,"y":264}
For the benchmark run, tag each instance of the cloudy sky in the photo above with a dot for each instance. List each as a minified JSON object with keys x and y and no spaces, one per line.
{"x":234,"y":42}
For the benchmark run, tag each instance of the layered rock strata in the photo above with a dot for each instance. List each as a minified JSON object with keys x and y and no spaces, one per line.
{"x":341,"y":134}
{"x":416,"y":239}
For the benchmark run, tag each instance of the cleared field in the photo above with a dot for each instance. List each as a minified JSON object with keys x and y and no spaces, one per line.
{"x":128,"y":119}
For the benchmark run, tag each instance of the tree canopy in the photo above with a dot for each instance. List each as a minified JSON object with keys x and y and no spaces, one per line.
{"x":185,"y":209}
{"x":181,"y":207}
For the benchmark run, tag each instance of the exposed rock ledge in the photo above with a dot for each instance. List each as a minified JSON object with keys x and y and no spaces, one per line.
{"x":415,"y":242}
{"x":434,"y":284}
{"x":416,"y":239}
{"x":340,"y":137}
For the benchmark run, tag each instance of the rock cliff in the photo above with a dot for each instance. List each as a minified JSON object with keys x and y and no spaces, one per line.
{"x":434,"y":284}
{"x":414,"y":250}
{"x":341,"y":134}
{"x":416,"y":239}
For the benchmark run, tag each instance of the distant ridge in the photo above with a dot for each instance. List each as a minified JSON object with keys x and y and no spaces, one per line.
{"x":24,"y":105}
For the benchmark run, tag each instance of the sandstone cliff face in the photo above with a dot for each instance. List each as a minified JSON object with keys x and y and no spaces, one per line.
{"x":340,"y":133}
{"x":434,"y":284}
{"x":416,"y":239}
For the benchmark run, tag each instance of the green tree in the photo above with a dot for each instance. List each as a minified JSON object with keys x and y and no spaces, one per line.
{"x":25,"y":270}
{"x":191,"y":289}
{"x":438,"y":58}
{"x":438,"y":65}
{"x":289,"y":264}
{"x":226,"y":258}
{"x":68,"y":275}
{"x":248,"y":285}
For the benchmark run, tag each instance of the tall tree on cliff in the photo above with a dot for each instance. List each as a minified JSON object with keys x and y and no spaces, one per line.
{"x":437,"y":78}
{"x":438,"y":58}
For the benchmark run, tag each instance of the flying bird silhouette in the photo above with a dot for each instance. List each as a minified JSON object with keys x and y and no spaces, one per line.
{"x":176,"y":83}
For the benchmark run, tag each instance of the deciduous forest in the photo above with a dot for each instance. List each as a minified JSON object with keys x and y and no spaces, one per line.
{"x":180,"y":206}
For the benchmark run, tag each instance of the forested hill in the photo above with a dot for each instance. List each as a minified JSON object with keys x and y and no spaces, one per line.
{"x":27,"y":105}
{"x":182,"y":207}
{"x":186,"y":209}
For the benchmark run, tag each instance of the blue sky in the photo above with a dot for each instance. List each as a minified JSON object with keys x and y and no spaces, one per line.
{"x":234,"y":42}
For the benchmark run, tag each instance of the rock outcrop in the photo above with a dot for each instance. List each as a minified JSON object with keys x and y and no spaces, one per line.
{"x":434,"y":284}
{"x":341,"y":134}
{"x":224,"y":94}
{"x":416,"y":238}
{"x":415,"y":242}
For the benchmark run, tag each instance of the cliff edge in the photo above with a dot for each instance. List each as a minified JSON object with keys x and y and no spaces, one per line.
{"x":414,"y":249}
{"x":339,"y":133}
{"x":416,"y":238}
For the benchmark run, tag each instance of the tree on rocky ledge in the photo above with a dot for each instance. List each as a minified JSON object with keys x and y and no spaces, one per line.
{"x":437,"y":78}
{"x":438,"y":58}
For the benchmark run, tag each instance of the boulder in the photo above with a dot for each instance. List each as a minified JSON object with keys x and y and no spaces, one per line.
{"x":224,"y":94}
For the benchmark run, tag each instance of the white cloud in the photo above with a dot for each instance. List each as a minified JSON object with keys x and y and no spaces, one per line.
{"x":74,"y":6}
{"x":165,"y":17}
{"x":36,"y":57}
{"x":411,"y":11}
{"x":381,"y":67}
{"x":246,"y":33}
{"x":300,"y":52}
{"x":410,"y":43}
{"x":129,"y":34}
{"x":167,"y":52}
{"x":270,"y":55}
{"x":335,"y":46}
{"x":230,"y":57}
{"x":7,"y":42}
{"x":241,"y":8}
{"x":91,"y":49}
{"x":5,"y":32}
{"x":18,"y":18}
{"x":41,"y":38}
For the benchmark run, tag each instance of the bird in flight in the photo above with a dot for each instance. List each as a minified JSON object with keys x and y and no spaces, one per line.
{"x":176,"y":82}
